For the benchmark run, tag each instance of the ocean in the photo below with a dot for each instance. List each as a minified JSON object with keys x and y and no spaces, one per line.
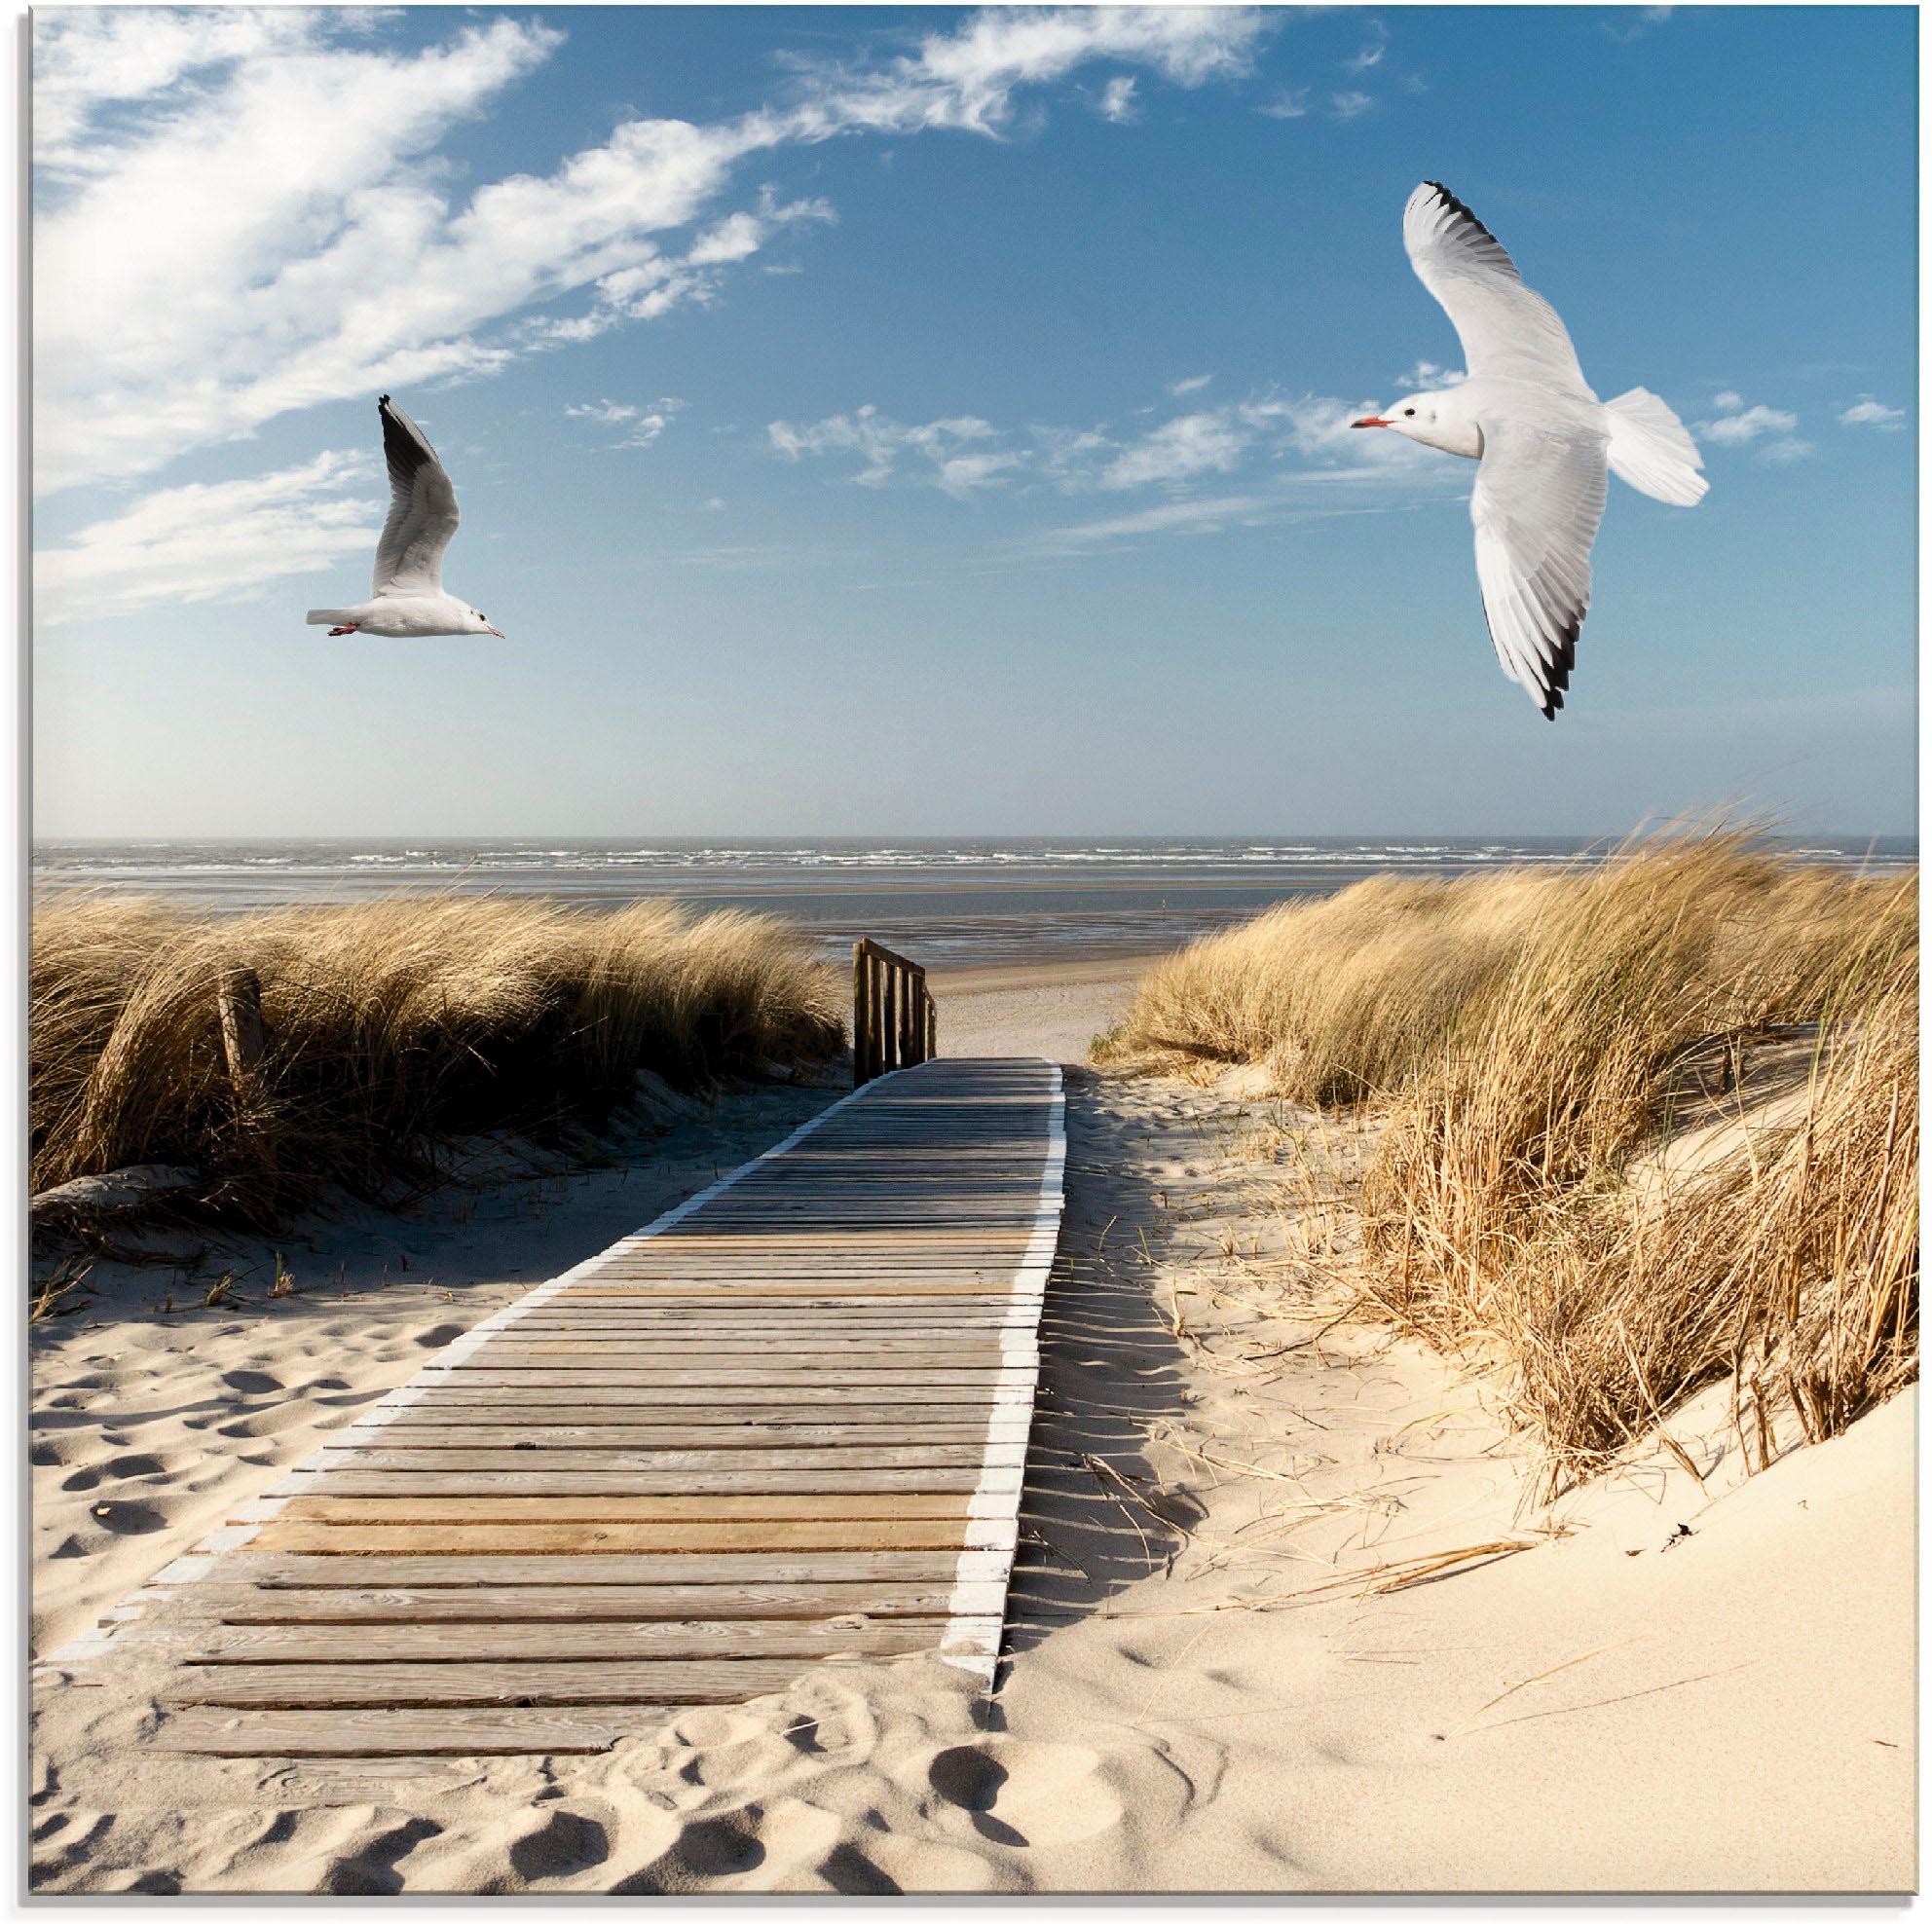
{"x":946,"y":903}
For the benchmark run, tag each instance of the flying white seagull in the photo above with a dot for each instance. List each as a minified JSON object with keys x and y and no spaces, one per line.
{"x":409,"y":598}
{"x":1543,"y":438}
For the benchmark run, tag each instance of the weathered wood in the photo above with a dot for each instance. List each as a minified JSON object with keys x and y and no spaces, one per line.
{"x":467,"y":1481}
{"x":468,"y":1430}
{"x":847,"y":1634}
{"x":267,"y":1569}
{"x":479,"y":1539}
{"x":239,"y":1003}
{"x":482,"y":1686}
{"x":789,"y":1423}
{"x":911,"y":1459}
{"x":600,"y":1509}
{"x":560,"y":1602}
{"x":396,"y":1733}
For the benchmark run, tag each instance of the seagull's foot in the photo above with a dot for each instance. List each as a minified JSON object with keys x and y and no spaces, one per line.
{"x":350,"y":630}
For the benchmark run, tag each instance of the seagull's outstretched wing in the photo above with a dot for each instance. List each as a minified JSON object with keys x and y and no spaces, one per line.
{"x":1505,"y":329}
{"x":1538,"y":500}
{"x":422,"y":515}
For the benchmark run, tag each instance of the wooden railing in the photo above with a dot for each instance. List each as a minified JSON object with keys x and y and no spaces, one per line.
{"x":894,"y":1021}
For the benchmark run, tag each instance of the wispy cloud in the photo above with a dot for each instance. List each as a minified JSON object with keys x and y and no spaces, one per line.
{"x":212,"y":541}
{"x":1350,"y":107}
{"x":1371,"y":54}
{"x":958,"y":453}
{"x":1772,"y":433}
{"x":1116,"y":101}
{"x":1290,"y":104}
{"x":286,"y":151}
{"x":1633,"y":22}
{"x":1193,"y":384}
{"x":642,"y":425}
{"x":1867,"y":411}
{"x":1431,"y":374}
{"x":1304,"y":439}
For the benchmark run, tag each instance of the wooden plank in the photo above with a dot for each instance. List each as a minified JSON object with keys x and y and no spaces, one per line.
{"x":563,"y":1602}
{"x":482,"y":1686}
{"x":539,"y":1483}
{"x":396,"y":1733}
{"x":626,"y":1429}
{"x":534,"y":1539}
{"x":480,"y":1375}
{"x":604,"y":1508}
{"x":458,"y":1429}
{"x":661,"y":1399}
{"x":264,"y":1569}
{"x":847,"y":1634}
{"x":912,"y":1457}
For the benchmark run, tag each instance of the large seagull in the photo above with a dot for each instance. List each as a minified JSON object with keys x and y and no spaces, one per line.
{"x":1545,"y":442}
{"x":409,"y":598}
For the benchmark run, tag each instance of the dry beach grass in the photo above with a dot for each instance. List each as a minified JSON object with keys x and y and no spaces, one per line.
{"x":391,"y":1028}
{"x":1529,"y":1040}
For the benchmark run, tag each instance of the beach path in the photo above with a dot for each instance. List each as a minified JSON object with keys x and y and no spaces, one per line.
{"x":785,"y":1422}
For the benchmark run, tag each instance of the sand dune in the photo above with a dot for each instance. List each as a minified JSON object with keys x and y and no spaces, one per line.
{"x":1286,"y":1617}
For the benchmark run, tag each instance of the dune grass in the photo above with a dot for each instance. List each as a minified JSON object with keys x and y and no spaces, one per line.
{"x":390,"y":1029}
{"x":1523,"y":1038}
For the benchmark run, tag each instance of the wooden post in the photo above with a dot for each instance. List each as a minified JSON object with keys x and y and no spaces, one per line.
{"x":238,"y":998}
{"x":874,"y":1010}
{"x":858,"y":1014}
{"x":931,"y":1028}
{"x":889,"y":1029}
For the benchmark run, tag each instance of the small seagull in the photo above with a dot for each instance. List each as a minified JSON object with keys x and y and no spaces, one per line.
{"x":409,"y":598}
{"x":1545,"y":440}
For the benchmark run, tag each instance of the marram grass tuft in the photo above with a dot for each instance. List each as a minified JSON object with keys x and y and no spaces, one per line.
{"x":389,"y":1028}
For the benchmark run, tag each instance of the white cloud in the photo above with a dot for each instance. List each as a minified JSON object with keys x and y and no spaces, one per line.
{"x":1349,"y":106}
{"x":1633,"y":21}
{"x":1371,"y":54}
{"x":311,"y":251}
{"x":1290,"y":104}
{"x":967,"y":452}
{"x":1117,"y":99}
{"x":951,"y":448}
{"x":1771,"y":433}
{"x":1176,"y":450}
{"x":642,"y":425}
{"x":1191,"y":385}
{"x":1867,"y":411}
{"x":608,"y":412}
{"x":1431,"y":374}
{"x":212,"y":541}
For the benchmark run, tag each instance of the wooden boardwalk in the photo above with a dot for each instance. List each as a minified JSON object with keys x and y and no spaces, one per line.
{"x":787,"y":1421}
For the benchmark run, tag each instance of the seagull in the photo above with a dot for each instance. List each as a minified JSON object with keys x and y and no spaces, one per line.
{"x":1545,"y":442}
{"x":409,"y":598}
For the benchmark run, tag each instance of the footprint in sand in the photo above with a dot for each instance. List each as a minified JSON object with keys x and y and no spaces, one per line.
{"x":118,"y":1468}
{"x":127,"y":1519}
{"x":441,"y":1337}
{"x":558,"y":1843}
{"x":1025,"y":1793}
{"x":251,"y":1383}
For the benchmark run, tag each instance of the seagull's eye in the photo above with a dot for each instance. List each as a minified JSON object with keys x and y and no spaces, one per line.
{"x":1408,"y":410}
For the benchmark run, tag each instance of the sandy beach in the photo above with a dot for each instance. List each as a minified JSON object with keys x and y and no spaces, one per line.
{"x":1287,"y":1616}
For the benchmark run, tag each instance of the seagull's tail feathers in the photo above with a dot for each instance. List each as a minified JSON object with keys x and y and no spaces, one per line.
{"x":1652,"y":450}
{"x":328,"y":617}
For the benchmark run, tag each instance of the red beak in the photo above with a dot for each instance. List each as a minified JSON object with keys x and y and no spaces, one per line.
{"x":497,"y":632}
{"x":1372,"y":421}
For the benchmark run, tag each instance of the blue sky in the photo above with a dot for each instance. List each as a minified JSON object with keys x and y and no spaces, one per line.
{"x":930,"y":421}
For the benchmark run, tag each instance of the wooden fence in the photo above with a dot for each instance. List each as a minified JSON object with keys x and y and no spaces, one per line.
{"x":894,"y":1021}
